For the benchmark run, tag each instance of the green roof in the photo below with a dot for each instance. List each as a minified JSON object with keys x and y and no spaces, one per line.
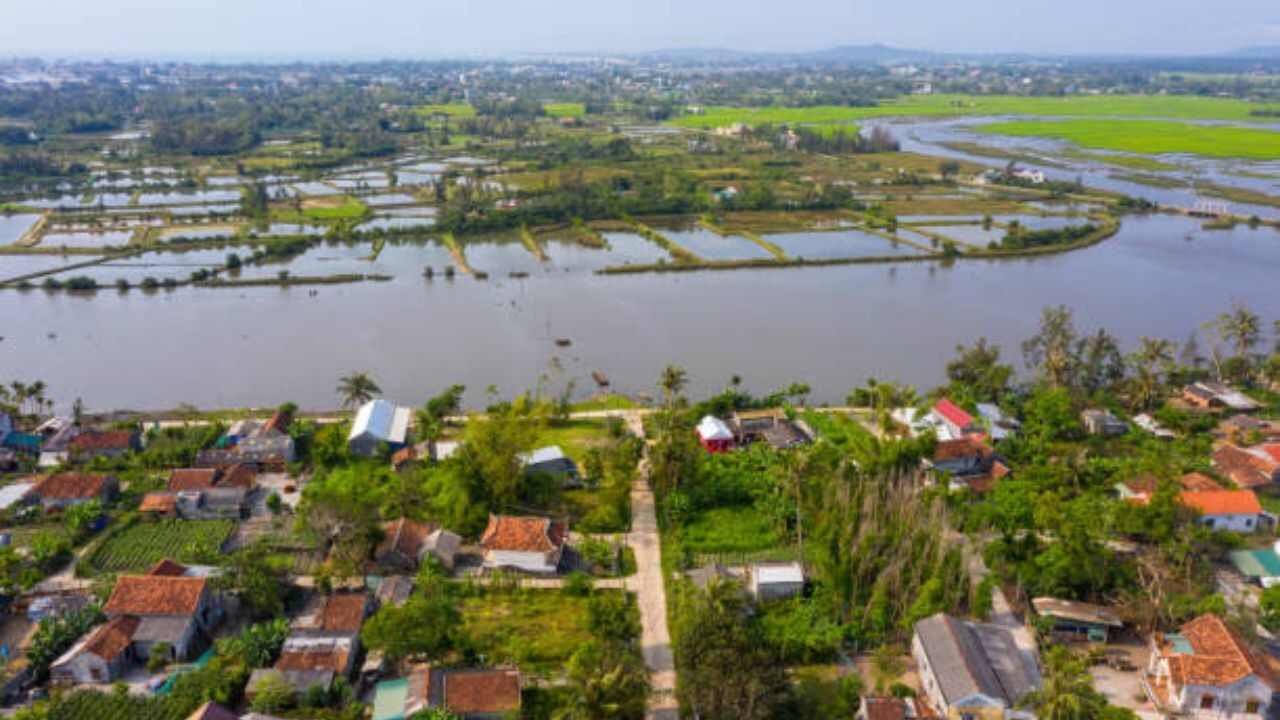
{"x":1256,"y":563}
{"x":389,"y":699}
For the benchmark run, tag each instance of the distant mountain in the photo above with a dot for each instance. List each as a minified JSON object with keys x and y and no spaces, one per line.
{"x":1258,"y":52}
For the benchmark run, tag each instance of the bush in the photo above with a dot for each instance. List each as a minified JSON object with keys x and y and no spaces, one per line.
{"x":159,"y":656}
{"x":578,"y":584}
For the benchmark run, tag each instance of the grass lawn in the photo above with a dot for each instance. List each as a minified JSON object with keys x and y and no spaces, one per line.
{"x":741,"y":529}
{"x":535,"y":629}
{"x":1179,"y":107}
{"x":457,"y":110}
{"x":138,"y":547}
{"x":606,"y":402}
{"x":559,"y":110}
{"x":575,"y":437}
{"x":1150,"y":137}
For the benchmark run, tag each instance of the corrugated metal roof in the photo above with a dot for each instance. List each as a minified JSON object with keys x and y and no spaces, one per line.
{"x":381,"y":419}
{"x":10,"y":494}
{"x":768,"y":574}
{"x":713,"y":428}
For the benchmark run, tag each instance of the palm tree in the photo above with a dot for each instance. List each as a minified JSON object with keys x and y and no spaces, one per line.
{"x":1152,"y":356}
{"x":1241,"y":328}
{"x":357,"y":389}
{"x":672,"y":381}
{"x":1066,"y":691}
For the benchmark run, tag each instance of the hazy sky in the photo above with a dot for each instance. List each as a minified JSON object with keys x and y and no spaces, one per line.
{"x":431,"y":28}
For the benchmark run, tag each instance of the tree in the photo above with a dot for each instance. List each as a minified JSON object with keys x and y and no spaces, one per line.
{"x":606,"y":680}
{"x":272,"y":693}
{"x":672,"y":381}
{"x":1153,"y":358}
{"x":1066,"y":690}
{"x":978,"y":372}
{"x":1241,"y":329}
{"x":431,"y":418}
{"x":258,"y":582}
{"x":726,"y":669}
{"x":357,"y":389}
{"x":342,"y":508}
{"x":1052,"y":350}
{"x":948,"y":169}
{"x":1100,"y":364}
{"x":424,"y":627}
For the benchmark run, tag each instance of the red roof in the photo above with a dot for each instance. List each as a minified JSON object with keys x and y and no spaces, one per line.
{"x":1219,"y":657}
{"x":192,"y":479}
{"x":523,"y":534}
{"x":71,"y":486}
{"x":155,"y":595}
{"x":404,"y":536}
{"x":159,"y":502}
{"x":481,"y":691}
{"x":344,"y":612}
{"x":1199,"y":482}
{"x":108,"y":641}
{"x":953,"y":413}
{"x":965,"y":447}
{"x":1223,"y":502}
{"x":1272,"y":450}
{"x":168,"y":568}
{"x":103,"y":440}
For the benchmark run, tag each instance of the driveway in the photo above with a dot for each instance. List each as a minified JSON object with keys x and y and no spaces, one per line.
{"x":647,"y":584}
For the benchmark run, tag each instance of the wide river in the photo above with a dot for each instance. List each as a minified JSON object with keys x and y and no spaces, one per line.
{"x":831,"y":327}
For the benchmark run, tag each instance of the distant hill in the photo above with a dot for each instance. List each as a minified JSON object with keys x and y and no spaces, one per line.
{"x":1264,"y":52}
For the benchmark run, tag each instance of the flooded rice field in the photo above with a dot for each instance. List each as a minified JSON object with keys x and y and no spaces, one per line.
{"x":832,"y":244}
{"x":809,"y":324}
{"x":13,"y":226}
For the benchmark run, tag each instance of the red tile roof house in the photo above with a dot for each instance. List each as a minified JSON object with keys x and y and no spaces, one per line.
{"x":405,"y":543}
{"x":323,"y":642}
{"x":1234,"y":510}
{"x":176,"y":610}
{"x":101,"y":656}
{"x":529,"y":544}
{"x":955,"y":418}
{"x":1248,"y":467}
{"x":73,"y":488}
{"x":103,"y":443}
{"x":1205,"y":670}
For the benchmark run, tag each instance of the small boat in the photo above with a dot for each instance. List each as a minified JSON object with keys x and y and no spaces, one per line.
{"x":601,"y":379}
{"x":563,"y":342}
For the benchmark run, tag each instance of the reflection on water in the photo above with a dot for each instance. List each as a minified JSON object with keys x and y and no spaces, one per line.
{"x":832,"y":327}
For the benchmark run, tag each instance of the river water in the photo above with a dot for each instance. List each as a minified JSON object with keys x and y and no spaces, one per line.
{"x":832,"y":327}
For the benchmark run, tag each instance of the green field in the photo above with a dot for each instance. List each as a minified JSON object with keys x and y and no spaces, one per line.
{"x":1150,"y":137}
{"x":1178,"y":107}
{"x":741,"y":529}
{"x":457,"y":110}
{"x":558,"y":110}
{"x":138,"y":547}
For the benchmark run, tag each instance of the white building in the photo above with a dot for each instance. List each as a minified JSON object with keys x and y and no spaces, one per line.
{"x":378,"y":422}
{"x":776,"y":581}
{"x":1233,"y":510}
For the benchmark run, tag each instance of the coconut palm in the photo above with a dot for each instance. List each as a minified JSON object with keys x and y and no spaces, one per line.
{"x":1153,"y":356}
{"x":357,"y":389}
{"x":1241,"y":328}
{"x":672,"y":381}
{"x":1066,"y":692}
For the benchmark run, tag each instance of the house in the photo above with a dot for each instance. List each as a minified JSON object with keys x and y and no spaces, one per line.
{"x":1139,"y":489}
{"x":73,"y":488}
{"x":769,"y":426}
{"x":101,"y":656}
{"x":957,"y":421}
{"x":775,"y":581}
{"x":214,"y":503}
{"x":273,"y":450}
{"x":1239,"y":428}
{"x":714,"y":435}
{"x":323,"y":643}
{"x":1215,"y":396}
{"x":394,"y":591}
{"x":406,"y":542}
{"x":56,"y":435}
{"x":965,"y":462}
{"x":239,"y":475}
{"x":175,"y":610}
{"x":1102,"y":422}
{"x":14,"y":493}
{"x":1198,"y":482}
{"x":1035,"y":177}
{"x":552,"y":461}
{"x":998,"y":425}
{"x":159,"y":505}
{"x":378,"y":422}
{"x":970,"y":670}
{"x":1234,"y":510}
{"x":467,"y":694}
{"x":1078,"y":620}
{"x":1248,"y":467}
{"x":103,"y":443}
{"x":892,"y":708}
{"x":1260,"y":566}
{"x":531,"y":544}
{"x":1206,"y":670}
{"x":1150,"y":425}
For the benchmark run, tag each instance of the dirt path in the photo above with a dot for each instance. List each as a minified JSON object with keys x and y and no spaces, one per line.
{"x":647,"y":584}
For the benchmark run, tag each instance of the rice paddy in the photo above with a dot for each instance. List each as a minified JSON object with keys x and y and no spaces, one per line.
{"x":1150,"y":137}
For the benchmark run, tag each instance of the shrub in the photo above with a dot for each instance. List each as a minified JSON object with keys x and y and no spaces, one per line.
{"x":578,"y":584}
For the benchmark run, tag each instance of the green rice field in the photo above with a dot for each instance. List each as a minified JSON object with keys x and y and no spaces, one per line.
{"x":1170,"y":107}
{"x":559,"y":110}
{"x":1150,"y":137}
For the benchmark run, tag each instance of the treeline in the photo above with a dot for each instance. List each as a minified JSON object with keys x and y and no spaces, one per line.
{"x":831,"y":141}
{"x":1019,"y":238}
{"x":207,"y":135}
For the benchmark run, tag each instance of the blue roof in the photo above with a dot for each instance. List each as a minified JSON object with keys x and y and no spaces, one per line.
{"x":23,"y":441}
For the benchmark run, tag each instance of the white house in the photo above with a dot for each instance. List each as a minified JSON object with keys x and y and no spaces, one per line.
{"x":378,"y":422}
{"x":1205,"y":670}
{"x":776,"y":581}
{"x":531,"y":544}
{"x":1234,"y":510}
{"x":970,"y":670}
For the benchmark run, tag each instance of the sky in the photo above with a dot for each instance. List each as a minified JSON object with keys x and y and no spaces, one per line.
{"x":342,"y":29}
